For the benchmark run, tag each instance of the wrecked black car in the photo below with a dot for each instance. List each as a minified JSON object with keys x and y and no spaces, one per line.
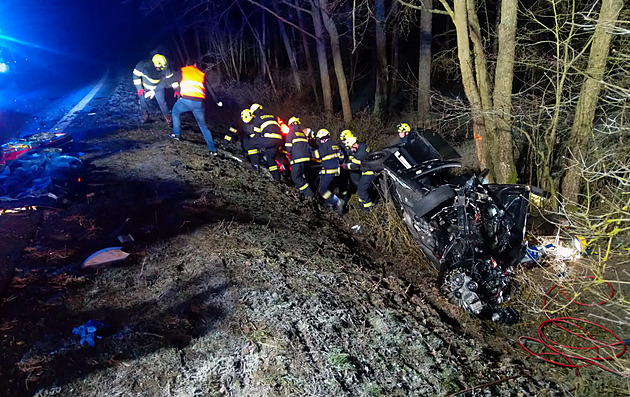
{"x":471,"y":230}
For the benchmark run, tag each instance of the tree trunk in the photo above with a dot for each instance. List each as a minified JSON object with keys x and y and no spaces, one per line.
{"x":582,"y":129}
{"x":380,"y":96}
{"x":424,"y":65}
{"x":460,"y":19}
{"x":503,"y":163}
{"x":307,"y":56}
{"x":321,"y":56}
{"x":292,"y":57}
{"x":393,"y":84}
{"x":483,"y":88}
{"x":336,"y":51}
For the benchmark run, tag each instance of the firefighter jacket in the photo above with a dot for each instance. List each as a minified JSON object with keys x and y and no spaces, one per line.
{"x":329,"y":154}
{"x":146,"y":76}
{"x":297,"y":145}
{"x":355,"y":158}
{"x":267,"y":127}
{"x":240,"y":130}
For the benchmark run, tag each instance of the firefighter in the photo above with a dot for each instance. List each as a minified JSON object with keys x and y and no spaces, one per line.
{"x":269,"y":137}
{"x":358,"y":151}
{"x":347,"y":180}
{"x":298,"y":149}
{"x":403,"y":134}
{"x":191,"y":86}
{"x":244,"y":131}
{"x":146,"y":76}
{"x":329,"y":153}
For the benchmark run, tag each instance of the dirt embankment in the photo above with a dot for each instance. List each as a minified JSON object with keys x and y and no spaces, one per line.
{"x":236,"y":286}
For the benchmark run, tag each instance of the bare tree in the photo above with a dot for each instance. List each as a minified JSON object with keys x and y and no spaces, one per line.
{"x":380,"y":96}
{"x":322,"y":59}
{"x":331,"y":28}
{"x":581,"y":132}
{"x":424,"y":64}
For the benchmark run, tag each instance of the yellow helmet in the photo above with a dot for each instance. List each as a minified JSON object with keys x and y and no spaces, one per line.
{"x":403,"y":127}
{"x":323,"y":133}
{"x":349,"y":141}
{"x":246,"y":116}
{"x":255,"y":107}
{"x":159,"y":61}
{"x":293,"y":120}
{"x":345,"y":134}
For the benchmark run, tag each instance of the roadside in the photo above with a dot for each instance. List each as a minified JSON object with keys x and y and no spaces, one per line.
{"x":235,"y":286}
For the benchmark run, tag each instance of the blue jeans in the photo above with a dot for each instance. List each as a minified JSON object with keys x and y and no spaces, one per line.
{"x":184,"y":105}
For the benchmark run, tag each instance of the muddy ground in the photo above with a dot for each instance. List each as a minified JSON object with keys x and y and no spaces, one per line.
{"x":235,"y":286}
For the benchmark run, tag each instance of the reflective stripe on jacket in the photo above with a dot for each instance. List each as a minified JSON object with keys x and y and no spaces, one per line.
{"x":330,"y":154}
{"x":192,"y":84}
{"x":267,"y":126}
{"x":297,"y":145}
{"x":146,"y":76}
{"x":355,"y":157}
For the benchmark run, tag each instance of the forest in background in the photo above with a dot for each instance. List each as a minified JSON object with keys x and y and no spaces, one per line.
{"x":542,"y":86}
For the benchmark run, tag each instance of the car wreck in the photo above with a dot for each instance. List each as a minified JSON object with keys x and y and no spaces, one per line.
{"x":472,"y":231}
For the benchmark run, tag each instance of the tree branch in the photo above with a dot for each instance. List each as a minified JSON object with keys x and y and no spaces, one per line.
{"x":282,"y":19}
{"x":422,"y":8}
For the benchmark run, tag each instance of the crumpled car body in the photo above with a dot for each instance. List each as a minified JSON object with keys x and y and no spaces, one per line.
{"x":472,"y":231}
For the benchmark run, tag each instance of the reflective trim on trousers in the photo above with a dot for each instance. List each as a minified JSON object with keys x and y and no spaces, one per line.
{"x":330,"y":172}
{"x":300,"y":160}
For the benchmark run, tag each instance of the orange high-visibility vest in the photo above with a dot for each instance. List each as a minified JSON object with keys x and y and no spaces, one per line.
{"x":192,"y":84}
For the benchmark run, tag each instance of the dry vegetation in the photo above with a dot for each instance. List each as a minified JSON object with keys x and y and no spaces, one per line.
{"x":236,"y":286}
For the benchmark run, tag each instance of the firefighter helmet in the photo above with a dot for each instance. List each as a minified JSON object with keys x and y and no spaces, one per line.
{"x":403,"y":127}
{"x":345,"y":134}
{"x":349,"y":141}
{"x":254,"y":108}
{"x":246,"y":116}
{"x":323,"y":133}
{"x":159,"y":61}
{"x":293,"y":120}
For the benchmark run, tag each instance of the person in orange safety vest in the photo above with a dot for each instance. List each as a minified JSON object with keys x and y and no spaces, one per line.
{"x":190,"y":85}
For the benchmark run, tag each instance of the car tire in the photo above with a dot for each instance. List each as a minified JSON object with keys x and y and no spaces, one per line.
{"x":374,"y":161}
{"x":432,"y":200}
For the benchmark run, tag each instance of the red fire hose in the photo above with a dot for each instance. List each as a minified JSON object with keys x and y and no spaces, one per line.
{"x":575,"y":356}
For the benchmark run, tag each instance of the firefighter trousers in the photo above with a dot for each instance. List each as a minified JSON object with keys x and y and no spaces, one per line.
{"x":271,"y":151}
{"x":297,"y":175}
{"x":363,"y":189}
{"x":325,"y":186}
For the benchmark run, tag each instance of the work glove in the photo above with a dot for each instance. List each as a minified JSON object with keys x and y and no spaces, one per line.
{"x":149,"y":94}
{"x":140,"y":92}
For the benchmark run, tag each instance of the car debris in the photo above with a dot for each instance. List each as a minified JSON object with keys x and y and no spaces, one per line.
{"x":105,"y":257}
{"x":471,"y":230}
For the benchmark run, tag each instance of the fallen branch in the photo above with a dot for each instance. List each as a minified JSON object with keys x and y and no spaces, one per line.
{"x":484,"y":385}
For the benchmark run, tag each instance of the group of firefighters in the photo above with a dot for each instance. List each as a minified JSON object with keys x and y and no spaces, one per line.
{"x":262,"y":138}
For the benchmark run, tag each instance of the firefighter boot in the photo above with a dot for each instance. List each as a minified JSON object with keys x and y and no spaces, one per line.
{"x":341,"y":204}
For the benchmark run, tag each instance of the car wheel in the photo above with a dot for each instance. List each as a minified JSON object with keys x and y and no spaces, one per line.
{"x":432,"y":200}
{"x":374,"y":161}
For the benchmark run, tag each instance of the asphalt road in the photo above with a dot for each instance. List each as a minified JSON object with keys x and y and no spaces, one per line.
{"x":52,"y":106}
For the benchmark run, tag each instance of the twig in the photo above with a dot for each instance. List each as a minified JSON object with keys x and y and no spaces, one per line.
{"x":484,"y":385}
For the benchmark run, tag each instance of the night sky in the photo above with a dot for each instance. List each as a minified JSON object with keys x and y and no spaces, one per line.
{"x":57,"y":38}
